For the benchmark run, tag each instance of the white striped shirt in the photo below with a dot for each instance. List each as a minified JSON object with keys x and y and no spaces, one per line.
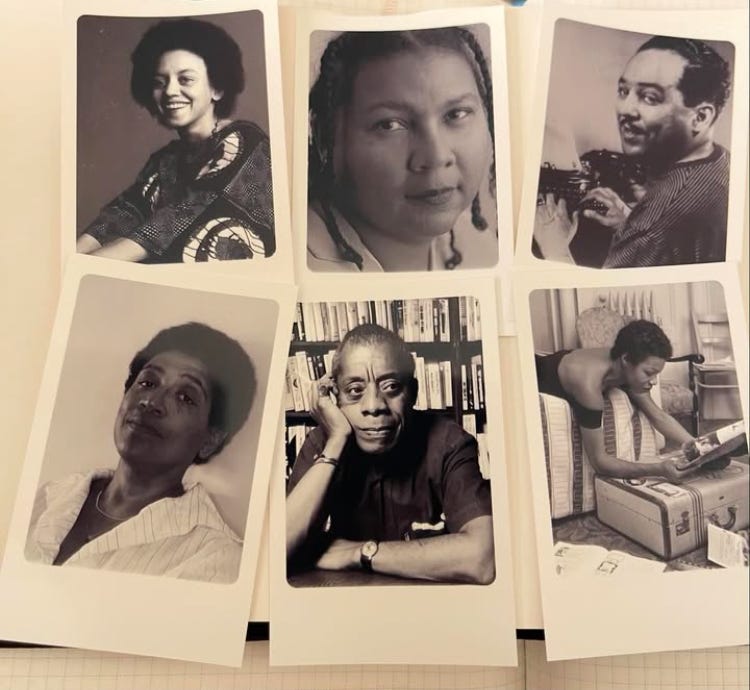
{"x":182,"y":537}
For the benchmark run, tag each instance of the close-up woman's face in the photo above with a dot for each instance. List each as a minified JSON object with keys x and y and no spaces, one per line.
{"x":642,"y":377}
{"x":163,"y":416}
{"x":413,"y":146}
{"x":182,"y":92}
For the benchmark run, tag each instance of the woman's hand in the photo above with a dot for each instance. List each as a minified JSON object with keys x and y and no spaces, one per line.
{"x":553,"y":229}
{"x":122,"y":249}
{"x":86,"y":244}
{"x":617,"y":210}
{"x":671,"y":471}
{"x":326,"y":412}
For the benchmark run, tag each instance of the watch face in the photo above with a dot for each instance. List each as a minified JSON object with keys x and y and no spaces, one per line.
{"x":369,"y":549}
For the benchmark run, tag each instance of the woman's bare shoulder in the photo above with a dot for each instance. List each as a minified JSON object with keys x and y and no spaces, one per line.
{"x":581,"y":373}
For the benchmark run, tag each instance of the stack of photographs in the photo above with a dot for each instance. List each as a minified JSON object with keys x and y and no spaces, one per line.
{"x":362,"y":363}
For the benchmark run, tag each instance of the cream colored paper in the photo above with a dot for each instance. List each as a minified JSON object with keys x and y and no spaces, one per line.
{"x":138,"y":614}
{"x":668,"y":611}
{"x":277,"y":267}
{"x":718,"y":25}
{"x":494,"y":18}
{"x":415,"y":623}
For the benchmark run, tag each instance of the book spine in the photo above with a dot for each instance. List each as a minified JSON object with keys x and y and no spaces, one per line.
{"x":447,"y":378}
{"x":363,"y":312}
{"x":419,"y":372}
{"x":351,"y":315}
{"x":321,"y":322}
{"x":299,"y":403}
{"x":464,"y":389}
{"x":304,"y":378}
{"x":477,"y":319}
{"x":470,"y":334}
{"x":462,"y":318}
{"x":435,"y":398}
{"x":445,"y":324}
{"x":288,"y":394}
{"x":307,"y":312}
{"x":480,"y":384}
{"x":298,"y":330}
{"x":328,"y":361}
{"x":484,"y":456}
{"x":469,"y":423}
{"x":475,"y":383}
{"x":333,"y":321}
{"x":342,"y":319}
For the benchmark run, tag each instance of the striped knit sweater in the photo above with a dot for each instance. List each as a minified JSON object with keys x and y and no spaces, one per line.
{"x":681,"y":220}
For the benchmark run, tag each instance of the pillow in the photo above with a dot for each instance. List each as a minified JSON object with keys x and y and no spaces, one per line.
{"x":570,"y":478}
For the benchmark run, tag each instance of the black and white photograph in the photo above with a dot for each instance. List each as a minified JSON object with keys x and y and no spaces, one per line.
{"x":637,"y":435}
{"x":390,"y":494}
{"x":155,"y":460}
{"x":640,"y":413}
{"x":173,"y":156}
{"x":635,"y":163}
{"x":405,"y":145}
{"x":388,"y":465}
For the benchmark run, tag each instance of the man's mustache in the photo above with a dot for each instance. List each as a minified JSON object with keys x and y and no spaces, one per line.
{"x":629,"y":122}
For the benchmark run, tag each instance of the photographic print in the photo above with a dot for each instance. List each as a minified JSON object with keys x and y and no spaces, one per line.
{"x":638,"y":439}
{"x":392,"y":401}
{"x":391,"y":463}
{"x":184,"y":105}
{"x":640,"y":413}
{"x":151,"y":475}
{"x":635,"y":159}
{"x":404,"y":143}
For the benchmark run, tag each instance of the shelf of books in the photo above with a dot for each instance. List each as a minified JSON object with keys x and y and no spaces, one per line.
{"x":443,"y":335}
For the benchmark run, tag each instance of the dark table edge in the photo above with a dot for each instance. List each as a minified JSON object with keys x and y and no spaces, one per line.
{"x":260,"y":631}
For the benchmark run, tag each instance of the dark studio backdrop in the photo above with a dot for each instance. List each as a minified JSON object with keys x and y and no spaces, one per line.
{"x":115,"y":136}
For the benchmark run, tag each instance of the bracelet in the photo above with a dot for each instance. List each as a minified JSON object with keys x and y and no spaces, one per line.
{"x":325,"y":460}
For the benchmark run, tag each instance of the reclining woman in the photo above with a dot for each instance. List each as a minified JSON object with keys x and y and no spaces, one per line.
{"x":401,"y":169}
{"x":208,"y":194}
{"x":188,"y":391}
{"x":583,"y":377}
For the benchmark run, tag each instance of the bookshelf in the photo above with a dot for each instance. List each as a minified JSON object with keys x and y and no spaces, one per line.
{"x":443,"y":334}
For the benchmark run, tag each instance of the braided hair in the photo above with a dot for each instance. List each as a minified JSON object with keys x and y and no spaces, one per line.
{"x":341,"y":61}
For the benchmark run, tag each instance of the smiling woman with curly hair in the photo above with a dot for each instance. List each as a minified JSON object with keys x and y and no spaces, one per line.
{"x":208,"y":194}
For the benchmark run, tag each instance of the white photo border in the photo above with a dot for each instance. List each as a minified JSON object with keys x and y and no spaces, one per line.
{"x":710,"y":25}
{"x":494,"y":17}
{"x":121,"y":612}
{"x":278,"y":267}
{"x":455,"y":624}
{"x":647,"y":613}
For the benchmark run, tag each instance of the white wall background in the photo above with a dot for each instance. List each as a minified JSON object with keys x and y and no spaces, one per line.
{"x":587,"y":61}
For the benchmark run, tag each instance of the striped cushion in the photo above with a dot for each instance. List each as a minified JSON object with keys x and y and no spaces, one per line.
{"x":570,"y":479}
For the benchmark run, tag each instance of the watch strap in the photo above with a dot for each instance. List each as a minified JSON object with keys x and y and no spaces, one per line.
{"x":366,"y":554}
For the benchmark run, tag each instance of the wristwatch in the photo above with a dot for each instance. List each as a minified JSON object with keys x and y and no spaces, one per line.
{"x":366,"y":553}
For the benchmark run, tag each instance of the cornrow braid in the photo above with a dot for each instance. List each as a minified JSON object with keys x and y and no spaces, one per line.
{"x":339,"y":66}
{"x":485,"y":90}
{"x":321,"y":177}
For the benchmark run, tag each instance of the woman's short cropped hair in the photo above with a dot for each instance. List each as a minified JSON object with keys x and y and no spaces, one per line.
{"x":215,"y":46}
{"x":231,"y":371}
{"x":641,"y":339}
